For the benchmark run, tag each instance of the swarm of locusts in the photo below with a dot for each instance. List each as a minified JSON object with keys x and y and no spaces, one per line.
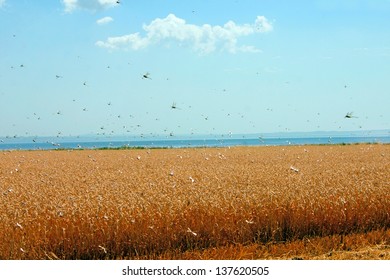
{"x":151,"y":203}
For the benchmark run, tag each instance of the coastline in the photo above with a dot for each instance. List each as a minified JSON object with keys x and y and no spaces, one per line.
{"x":61,"y":144}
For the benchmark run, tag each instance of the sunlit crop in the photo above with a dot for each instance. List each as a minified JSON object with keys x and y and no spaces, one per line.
{"x":117,"y":204}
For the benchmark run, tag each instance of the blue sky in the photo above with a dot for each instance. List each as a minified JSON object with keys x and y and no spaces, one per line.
{"x":75,"y":67}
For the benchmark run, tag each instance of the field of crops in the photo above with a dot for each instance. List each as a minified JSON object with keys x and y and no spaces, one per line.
{"x":199,"y":203}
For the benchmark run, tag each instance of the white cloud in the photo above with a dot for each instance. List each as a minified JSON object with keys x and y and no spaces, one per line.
{"x":92,"y":5}
{"x":104,"y":20}
{"x":251,"y":49}
{"x":2,"y":2}
{"x":203,"y":39}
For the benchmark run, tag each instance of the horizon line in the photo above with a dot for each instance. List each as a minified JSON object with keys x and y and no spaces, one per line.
{"x":292,"y":134}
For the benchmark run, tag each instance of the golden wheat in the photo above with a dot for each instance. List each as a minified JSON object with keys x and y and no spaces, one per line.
{"x":115,"y":204}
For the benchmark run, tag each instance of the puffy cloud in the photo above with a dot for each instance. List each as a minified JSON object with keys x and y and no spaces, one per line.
{"x":104,"y":20}
{"x":133,"y":40}
{"x":251,"y":49}
{"x":202,"y":38}
{"x":92,"y":5}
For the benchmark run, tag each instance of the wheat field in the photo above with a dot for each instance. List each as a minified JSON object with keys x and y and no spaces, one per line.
{"x":311,"y":202}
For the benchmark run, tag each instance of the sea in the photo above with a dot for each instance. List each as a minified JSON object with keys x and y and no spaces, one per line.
{"x":112,"y":143}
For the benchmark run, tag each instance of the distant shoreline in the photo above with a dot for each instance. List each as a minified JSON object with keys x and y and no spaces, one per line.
{"x":192,"y":143}
{"x":265,"y":135}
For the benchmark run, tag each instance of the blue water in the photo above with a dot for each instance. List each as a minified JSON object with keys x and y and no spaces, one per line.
{"x":180,"y":143}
